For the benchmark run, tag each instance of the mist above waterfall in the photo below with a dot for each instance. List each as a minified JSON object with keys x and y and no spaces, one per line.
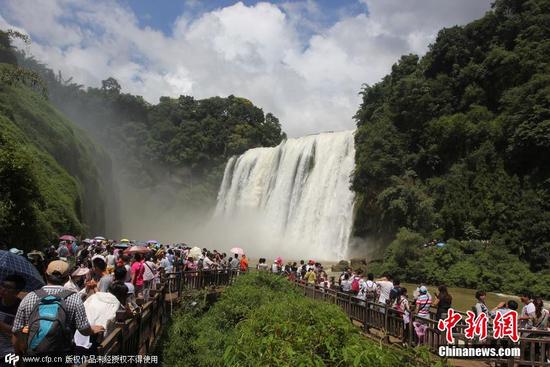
{"x":292,"y":200}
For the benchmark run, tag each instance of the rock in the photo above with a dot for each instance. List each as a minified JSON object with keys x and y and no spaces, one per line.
{"x":341,"y":266}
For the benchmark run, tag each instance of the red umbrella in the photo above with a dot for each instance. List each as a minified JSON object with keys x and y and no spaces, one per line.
{"x":137,"y":249}
{"x":67,"y":237}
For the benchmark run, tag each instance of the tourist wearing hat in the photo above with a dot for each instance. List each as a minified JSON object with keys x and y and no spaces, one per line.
{"x":57,"y":274}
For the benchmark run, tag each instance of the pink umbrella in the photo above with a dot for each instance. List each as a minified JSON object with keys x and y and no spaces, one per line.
{"x":279,"y":260}
{"x":237,"y":250}
{"x":137,"y":249}
{"x":67,"y":237}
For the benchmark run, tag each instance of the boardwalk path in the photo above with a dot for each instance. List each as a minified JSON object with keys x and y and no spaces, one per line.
{"x":139,"y":335}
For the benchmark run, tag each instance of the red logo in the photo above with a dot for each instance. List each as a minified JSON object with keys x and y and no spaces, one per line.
{"x":448,"y":324}
{"x":506,"y":325}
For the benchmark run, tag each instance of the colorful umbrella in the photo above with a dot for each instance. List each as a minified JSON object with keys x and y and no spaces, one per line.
{"x":152,"y":242}
{"x":15,"y":264}
{"x":67,"y":237}
{"x":137,"y":249}
{"x":121,"y":245}
{"x":195,"y":252}
{"x":237,"y":250}
{"x":124,"y":240}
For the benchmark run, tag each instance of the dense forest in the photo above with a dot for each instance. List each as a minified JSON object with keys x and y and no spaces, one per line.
{"x":454,"y":146}
{"x":177,"y":147}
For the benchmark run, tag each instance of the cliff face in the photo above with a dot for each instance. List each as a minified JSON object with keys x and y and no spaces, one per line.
{"x":53,"y":179}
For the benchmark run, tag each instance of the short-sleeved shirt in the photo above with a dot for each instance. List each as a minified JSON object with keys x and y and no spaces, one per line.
{"x":385,"y":289}
{"x":76,"y":313}
{"x":166,"y":264}
{"x":423,"y":303}
{"x":138,"y":269}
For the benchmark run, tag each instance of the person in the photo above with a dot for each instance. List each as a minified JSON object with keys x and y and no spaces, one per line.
{"x":57,"y":274}
{"x":149,"y":276}
{"x":345,"y":284}
{"x":100,"y":274}
{"x":101,"y":308}
{"x":372,"y":288}
{"x":504,"y":307}
{"x":137,"y":270}
{"x":63,"y":250}
{"x":480,"y":307}
{"x":528,"y":310}
{"x":275,"y":269}
{"x":165,"y":263}
{"x":77,"y":282}
{"x":311,"y":277}
{"x":234,"y":263}
{"x":125,"y":259}
{"x":443,"y":301}
{"x":9,"y":302}
{"x":385,"y":285}
{"x":423,"y":304}
{"x":262,"y":266}
{"x":395,"y":292}
{"x":244,"y":263}
{"x":403,"y":307}
{"x":539,"y":320}
{"x":362,"y":294}
{"x":110,"y":260}
{"x":120,"y":276}
{"x":302,"y":270}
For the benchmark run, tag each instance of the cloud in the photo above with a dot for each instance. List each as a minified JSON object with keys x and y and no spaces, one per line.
{"x":287,"y":58}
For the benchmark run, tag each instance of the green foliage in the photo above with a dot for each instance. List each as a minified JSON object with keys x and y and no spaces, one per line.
{"x":456,"y":144}
{"x":471,"y":264}
{"x":49,"y":173}
{"x":262,"y":321}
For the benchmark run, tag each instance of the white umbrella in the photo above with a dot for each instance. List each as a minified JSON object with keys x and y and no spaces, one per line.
{"x":237,"y":250}
{"x":195,"y":252}
{"x":99,"y":238}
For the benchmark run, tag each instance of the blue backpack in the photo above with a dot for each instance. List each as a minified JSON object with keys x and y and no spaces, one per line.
{"x":48,"y":324}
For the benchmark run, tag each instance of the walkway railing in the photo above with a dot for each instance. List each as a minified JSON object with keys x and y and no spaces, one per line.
{"x":137,"y":335}
{"x":387,"y":322}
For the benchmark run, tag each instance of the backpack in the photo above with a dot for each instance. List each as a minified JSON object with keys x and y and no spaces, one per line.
{"x":48,"y":324}
{"x":355,"y":285}
{"x":372,"y":289}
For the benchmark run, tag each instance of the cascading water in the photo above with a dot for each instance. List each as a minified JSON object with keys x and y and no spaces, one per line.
{"x":293,"y":199}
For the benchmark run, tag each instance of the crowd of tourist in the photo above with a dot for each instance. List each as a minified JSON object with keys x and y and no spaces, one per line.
{"x":87,"y":283}
{"x":388,"y":292}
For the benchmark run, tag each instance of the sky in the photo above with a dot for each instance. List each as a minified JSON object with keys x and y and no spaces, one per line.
{"x":305,"y":61}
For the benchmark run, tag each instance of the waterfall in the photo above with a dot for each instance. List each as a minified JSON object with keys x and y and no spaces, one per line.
{"x":293,"y":199}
